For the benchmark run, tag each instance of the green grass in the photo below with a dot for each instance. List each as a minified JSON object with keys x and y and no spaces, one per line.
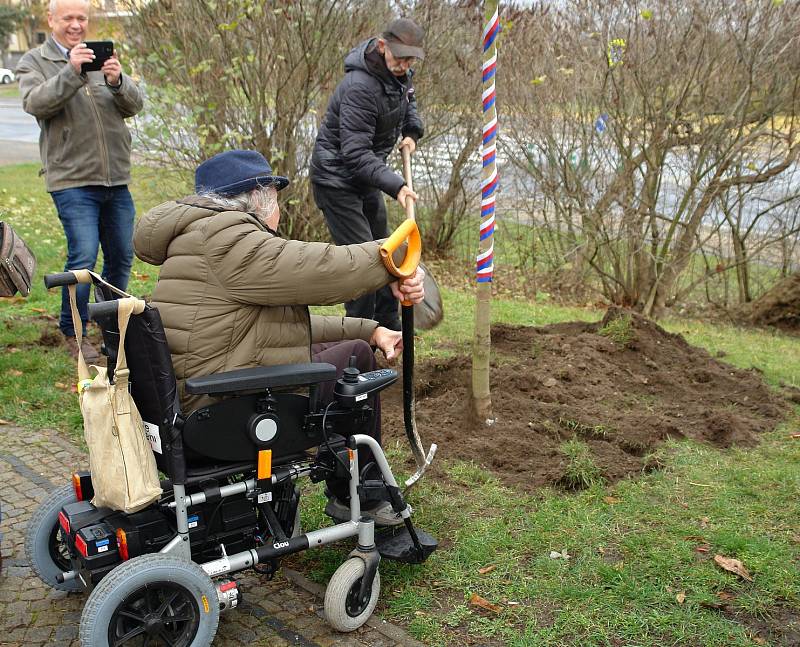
{"x":632,"y":546}
{"x":10,"y":91}
{"x":619,"y":330}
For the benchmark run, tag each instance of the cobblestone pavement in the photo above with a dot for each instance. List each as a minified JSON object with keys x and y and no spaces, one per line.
{"x":285,"y":611}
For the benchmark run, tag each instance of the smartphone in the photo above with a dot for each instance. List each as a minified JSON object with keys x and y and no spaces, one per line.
{"x":103,"y":50}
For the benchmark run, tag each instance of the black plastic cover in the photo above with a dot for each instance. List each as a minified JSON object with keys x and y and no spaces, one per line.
{"x":219,"y":431}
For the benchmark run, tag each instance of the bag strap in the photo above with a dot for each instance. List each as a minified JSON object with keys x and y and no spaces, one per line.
{"x":125,"y":308}
{"x":127,"y":305}
{"x":77,"y":324}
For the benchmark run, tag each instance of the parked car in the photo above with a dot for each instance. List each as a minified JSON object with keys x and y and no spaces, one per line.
{"x":6,"y":75}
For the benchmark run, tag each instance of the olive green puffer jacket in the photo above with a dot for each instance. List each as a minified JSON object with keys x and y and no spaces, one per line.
{"x":232,"y":294}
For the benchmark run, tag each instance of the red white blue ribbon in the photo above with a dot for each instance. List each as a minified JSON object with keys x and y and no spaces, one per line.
{"x":489,"y":184}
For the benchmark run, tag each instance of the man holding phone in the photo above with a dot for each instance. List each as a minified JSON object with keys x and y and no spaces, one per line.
{"x":85,"y":148}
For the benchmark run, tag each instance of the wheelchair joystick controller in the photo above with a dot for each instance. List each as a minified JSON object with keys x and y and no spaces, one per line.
{"x":351,"y":373}
{"x":354,"y":386}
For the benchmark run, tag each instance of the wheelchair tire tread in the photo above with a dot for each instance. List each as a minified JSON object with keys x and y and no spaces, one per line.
{"x":338,"y":589}
{"x":137,"y":570}
{"x":47,"y":513}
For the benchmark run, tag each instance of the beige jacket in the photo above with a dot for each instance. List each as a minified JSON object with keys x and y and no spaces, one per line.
{"x":83,"y":140}
{"x":234,"y":295}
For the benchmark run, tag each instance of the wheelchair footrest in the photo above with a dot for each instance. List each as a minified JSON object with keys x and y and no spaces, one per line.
{"x":395,"y":543}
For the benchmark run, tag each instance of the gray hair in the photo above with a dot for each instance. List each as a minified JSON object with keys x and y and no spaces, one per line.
{"x":260,"y":201}
{"x":54,"y":5}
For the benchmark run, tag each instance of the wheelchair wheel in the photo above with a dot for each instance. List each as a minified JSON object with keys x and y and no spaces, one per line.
{"x":44,"y":545}
{"x":343,"y":609}
{"x":152,"y":600}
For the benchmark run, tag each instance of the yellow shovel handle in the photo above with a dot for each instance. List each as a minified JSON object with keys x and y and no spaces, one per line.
{"x":407,"y":231}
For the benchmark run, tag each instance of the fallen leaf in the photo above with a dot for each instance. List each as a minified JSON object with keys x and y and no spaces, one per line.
{"x":611,"y":500}
{"x":483,"y":603}
{"x":61,"y":385}
{"x":695,"y":538}
{"x":12,"y":349}
{"x":41,"y":310}
{"x":758,"y":640}
{"x":704,"y":522}
{"x":513,"y":603}
{"x":4,"y":422}
{"x":681,"y":597}
{"x":733,"y":566}
{"x":487,"y":569}
{"x":702,"y":549}
{"x":716,"y":606}
{"x":14,"y":372}
{"x":724,"y":595}
{"x":795,"y":436}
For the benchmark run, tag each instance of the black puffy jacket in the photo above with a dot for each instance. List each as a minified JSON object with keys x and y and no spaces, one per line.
{"x":367,"y":113}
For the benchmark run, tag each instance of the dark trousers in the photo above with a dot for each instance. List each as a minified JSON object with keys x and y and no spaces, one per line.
{"x":95,"y":217}
{"x":358,"y":217}
{"x":338,"y":354}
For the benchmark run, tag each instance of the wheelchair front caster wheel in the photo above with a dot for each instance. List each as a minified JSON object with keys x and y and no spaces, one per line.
{"x":158,"y":599}
{"x":44,"y":545}
{"x":343,"y":608}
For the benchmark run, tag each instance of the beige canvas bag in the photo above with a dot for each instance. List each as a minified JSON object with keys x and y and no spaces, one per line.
{"x":124,"y":473}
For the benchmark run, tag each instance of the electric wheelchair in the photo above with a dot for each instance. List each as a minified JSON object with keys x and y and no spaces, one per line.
{"x":230,"y":501}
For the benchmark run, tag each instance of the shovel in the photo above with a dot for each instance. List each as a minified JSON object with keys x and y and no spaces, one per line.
{"x":408,"y":231}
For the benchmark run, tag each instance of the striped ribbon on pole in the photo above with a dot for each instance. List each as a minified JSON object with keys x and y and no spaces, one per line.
{"x":489,"y":182}
{"x":481,"y":350}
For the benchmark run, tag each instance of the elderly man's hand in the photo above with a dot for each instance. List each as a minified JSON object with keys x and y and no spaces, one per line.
{"x":79,"y":55}
{"x":389,"y":341}
{"x":409,"y":143}
{"x":411,"y":289}
{"x":112,"y":70}
{"x":406,"y":194}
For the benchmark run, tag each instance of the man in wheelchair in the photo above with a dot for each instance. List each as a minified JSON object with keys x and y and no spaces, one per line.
{"x":215,"y":363}
{"x":233,"y":294}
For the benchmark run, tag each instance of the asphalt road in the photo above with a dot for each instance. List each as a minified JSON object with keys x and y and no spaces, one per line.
{"x":19,"y":133}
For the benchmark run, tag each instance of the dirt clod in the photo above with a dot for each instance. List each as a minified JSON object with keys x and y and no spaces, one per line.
{"x":622,"y":386}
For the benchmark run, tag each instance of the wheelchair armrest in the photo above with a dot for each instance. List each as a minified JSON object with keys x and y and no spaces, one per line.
{"x":260,"y":378}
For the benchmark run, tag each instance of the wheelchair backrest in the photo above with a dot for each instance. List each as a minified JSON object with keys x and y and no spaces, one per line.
{"x":152,"y":377}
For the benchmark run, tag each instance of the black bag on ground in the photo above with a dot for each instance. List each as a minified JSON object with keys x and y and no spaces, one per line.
{"x":17,"y":263}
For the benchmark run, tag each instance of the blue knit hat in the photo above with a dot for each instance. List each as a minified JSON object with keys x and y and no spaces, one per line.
{"x":234,"y":172}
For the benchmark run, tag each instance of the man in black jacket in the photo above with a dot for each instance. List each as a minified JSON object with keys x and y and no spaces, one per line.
{"x":372,"y":106}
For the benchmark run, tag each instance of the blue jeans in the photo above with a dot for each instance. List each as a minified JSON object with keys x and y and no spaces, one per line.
{"x":93,"y":217}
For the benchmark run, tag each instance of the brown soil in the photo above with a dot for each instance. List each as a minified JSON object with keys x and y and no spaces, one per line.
{"x":622,"y":397}
{"x":780,"y":306}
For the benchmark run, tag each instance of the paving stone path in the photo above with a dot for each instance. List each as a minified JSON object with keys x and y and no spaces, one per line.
{"x":284,"y":611}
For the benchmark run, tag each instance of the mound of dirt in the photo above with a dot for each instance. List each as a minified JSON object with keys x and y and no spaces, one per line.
{"x":780,"y":306}
{"x":622,"y":386}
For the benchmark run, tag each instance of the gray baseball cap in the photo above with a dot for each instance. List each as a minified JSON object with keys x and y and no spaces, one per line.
{"x":404,"y":38}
